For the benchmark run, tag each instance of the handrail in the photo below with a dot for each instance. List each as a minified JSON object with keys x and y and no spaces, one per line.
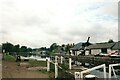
{"x":112,"y":69}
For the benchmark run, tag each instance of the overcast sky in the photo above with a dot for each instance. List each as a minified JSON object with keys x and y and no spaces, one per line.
{"x":37,"y":23}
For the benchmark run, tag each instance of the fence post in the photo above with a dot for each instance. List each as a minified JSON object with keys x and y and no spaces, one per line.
{"x":104,"y":69}
{"x":48,"y":64}
{"x":56,"y":70}
{"x":3,"y":54}
{"x":111,"y":69}
{"x":69,"y":63}
{"x":56,"y":59}
{"x":61,"y":59}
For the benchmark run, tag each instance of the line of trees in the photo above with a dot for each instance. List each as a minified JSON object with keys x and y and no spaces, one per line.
{"x":54,"y":48}
{"x":8,"y":47}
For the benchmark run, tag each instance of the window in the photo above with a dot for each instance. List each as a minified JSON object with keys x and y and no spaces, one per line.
{"x":104,"y":50}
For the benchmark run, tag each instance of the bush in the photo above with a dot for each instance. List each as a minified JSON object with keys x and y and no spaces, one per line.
{"x":37,"y":63}
{"x":9,"y":58}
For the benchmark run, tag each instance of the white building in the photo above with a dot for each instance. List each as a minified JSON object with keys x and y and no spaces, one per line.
{"x":101,"y":48}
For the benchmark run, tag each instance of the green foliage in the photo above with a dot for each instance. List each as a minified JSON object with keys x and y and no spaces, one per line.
{"x":110,"y":41}
{"x":65,"y":75}
{"x":9,"y":58}
{"x":25,"y":54}
{"x":51,"y":75}
{"x":54,"y":48}
{"x":23,"y":49}
{"x":38,"y":63}
{"x":8,"y":47}
{"x":17,"y":48}
{"x":65,"y":66}
{"x":51,"y":54}
{"x":29,"y":49}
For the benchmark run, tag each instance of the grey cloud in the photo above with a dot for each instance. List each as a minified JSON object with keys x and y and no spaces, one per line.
{"x":3,"y":32}
{"x":68,"y":38}
{"x":111,"y":9}
{"x":96,"y":31}
{"x":39,"y":29}
{"x":23,"y":20}
{"x":34,"y":21}
{"x":12,"y":15}
{"x":51,"y":30}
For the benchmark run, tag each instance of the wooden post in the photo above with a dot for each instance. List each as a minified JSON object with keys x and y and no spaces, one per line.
{"x":56,"y":59}
{"x":76,"y":58}
{"x":48,"y":64}
{"x":61,"y":59}
{"x":56,"y":70}
{"x":70,"y":52}
{"x":104,"y":70}
{"x":69,"y":63}
{"x":3,"y":54}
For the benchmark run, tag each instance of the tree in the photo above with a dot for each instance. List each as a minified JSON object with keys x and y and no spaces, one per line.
{"x":43,"y":48}
{"x":23,"y":49}
{"x":17,"y":48}
{"x":8,"y":47}
{"x":68,"y":46}
{"x":110,"y":41}
{"x":29,"y":50}
{"x":63,"y":47}
{"x":53,"y":47}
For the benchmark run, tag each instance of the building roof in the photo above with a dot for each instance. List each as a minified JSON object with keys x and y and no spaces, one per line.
{"x":116,"y":46}
{"x":101,"y":45}
{"x":78,"y":46}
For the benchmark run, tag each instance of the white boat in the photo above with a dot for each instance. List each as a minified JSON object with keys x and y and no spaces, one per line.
{"x":38,"y":58}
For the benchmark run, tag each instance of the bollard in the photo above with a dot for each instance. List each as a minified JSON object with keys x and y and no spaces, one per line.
{"x":77,"y":75}
{"x":56,"y":70}
{"x":69,"y":63}
{"x":18,"y":58}
{"x":90,"y":77}
{"x":61,"y":59}
{"x":48,"y":64}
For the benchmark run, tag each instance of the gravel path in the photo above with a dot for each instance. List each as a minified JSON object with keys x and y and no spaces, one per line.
{"x":12,"y":70}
